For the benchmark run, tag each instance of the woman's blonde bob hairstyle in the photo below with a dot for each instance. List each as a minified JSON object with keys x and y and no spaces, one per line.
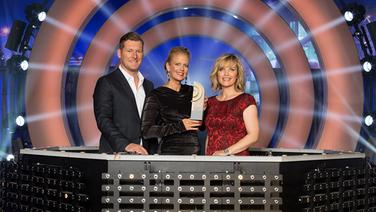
{"x":220,"y":63}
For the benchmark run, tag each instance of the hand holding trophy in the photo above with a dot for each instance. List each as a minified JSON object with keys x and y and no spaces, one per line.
{"x":198,"y":97}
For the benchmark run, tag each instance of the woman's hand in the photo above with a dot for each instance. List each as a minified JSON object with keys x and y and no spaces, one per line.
{"x":190,"y":124}
{"x":224,"y":152}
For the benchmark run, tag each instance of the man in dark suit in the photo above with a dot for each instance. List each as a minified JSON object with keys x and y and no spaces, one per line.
{"x":118,"y":101}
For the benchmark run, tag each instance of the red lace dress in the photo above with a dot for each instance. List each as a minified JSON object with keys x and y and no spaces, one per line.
{"x":224,"y":122}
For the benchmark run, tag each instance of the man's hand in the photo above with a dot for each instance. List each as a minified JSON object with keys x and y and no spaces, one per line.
{"x":136,"y":148}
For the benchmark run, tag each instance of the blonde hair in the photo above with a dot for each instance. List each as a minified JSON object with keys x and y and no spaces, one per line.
{"x":219,"y":63}
{"x":174,"y":51}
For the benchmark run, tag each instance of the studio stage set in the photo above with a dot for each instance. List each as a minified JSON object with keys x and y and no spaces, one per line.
{"x":309,"y":64}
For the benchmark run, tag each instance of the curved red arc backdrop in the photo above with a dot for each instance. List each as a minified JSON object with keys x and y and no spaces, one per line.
{"x":46,"y":93}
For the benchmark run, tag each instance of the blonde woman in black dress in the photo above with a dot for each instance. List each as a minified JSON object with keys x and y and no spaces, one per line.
{"x":167,"y":109}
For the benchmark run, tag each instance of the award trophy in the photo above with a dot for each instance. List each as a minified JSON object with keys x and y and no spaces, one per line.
{"x":198,"y":97}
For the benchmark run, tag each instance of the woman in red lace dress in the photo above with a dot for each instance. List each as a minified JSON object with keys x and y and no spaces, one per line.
{"x":231,"y":117}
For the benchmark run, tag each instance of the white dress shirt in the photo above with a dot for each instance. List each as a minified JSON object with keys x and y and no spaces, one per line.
{"x":138,"y":91}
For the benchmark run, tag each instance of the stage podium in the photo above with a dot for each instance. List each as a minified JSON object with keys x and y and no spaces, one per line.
{"x":79,"y":179}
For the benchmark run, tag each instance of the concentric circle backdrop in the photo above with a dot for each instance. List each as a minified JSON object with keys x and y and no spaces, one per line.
{"x":289,"y":107}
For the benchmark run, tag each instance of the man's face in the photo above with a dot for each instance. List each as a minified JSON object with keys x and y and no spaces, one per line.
{"x":131,"y":55}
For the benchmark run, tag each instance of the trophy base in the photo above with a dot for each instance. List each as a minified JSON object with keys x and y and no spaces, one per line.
{"x":196,"y":115}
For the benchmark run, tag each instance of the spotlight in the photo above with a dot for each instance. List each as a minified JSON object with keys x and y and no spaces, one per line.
{"x":368,"y":64}
{"x":24,"y":65}
{"x":20,"y":121}
{"x":349,"y":16}
{"x":35,"y":14}
{"x":354,"y":13}
{"x":42,"y":16}
{"x":18,"y":63}
{"x":10,"y":157}
{"x":368,"y":120}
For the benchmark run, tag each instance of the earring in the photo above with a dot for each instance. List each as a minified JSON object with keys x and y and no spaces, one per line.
{"x":168,"y":76}
{"x":185,"y":80}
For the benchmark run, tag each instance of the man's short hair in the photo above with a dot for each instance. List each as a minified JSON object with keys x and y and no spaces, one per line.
{"x":130,"y":36}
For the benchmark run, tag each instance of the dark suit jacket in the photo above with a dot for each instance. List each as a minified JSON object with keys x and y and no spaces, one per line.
{"x":116,"y":113}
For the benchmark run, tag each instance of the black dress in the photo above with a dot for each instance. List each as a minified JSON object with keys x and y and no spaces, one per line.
{"x":162,"y":117}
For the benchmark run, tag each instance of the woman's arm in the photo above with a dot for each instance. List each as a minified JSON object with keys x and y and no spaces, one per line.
{"x":251,"y":123}
{"x":206,"y":143}
{"x":150,"y":118}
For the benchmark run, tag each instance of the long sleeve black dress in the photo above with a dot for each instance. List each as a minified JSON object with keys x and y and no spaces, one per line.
{"x":162,"y":117}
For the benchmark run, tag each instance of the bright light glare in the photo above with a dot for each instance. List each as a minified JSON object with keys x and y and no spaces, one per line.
{"x":4,"y":31}
{"x":368,"y":120}
{"x":10,"y":157}
{"x":367,"y":66}
{"x":24,"y":65}
{"x":42,"y":16}
{"x":20,"y":121}
{"x":349,"y":16}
